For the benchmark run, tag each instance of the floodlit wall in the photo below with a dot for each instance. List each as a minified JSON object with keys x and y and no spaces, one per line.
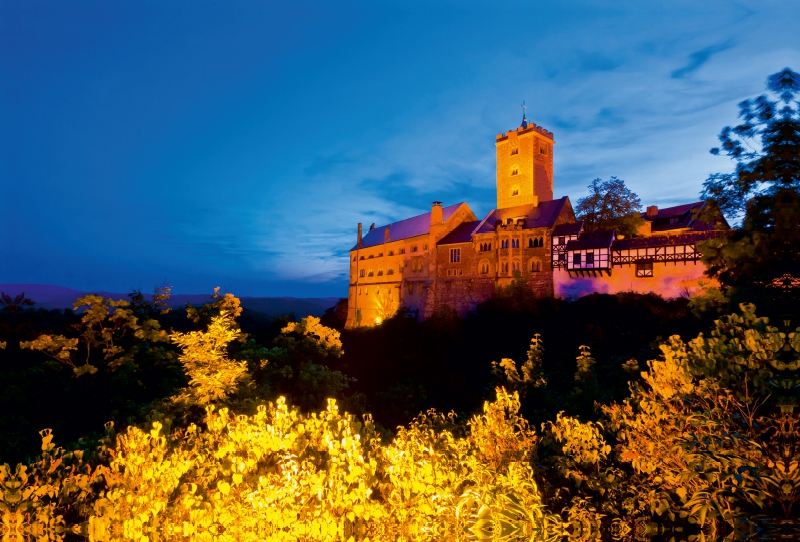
{"x":669,"y":280}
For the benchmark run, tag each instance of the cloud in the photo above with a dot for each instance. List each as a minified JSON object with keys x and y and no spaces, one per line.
{"x":698,"y":58}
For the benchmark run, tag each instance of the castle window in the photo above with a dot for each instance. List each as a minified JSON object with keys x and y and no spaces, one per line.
{"x":514,"y":189}
{"x":562,"y":257}
{"x":460,"y":272}
{"x":541,"y":241}
{"x":370,"y":256}
{"x":366,"y":291}
{"x":361,"y":258}
{"x":504,"y":243}
{"x":425,"y":246}
{"x":410,"y":287}
{"x":380,"y":272}
{"x":576,"y":258}
{"x":413,"y":248}
{"x":362,"y":273}
{"x":532,"y":242}
{"x":536,"y":266}
{"x":515,"y":243}
{"x":455,"y":255}
{"x":543,"y":149}
{"x":354,"y":258}
{"x":390,"y":271}
{"x":402,"y":251}
{"x":370,"y":273}
{"x":391,"y":253}
{"x":380,"y":254}
{"x":590,"y":258}
{"x":515,"y":266}
{"x":448,"y":272}
{"x":515,"y":171}
{"x":514,"y":151}
{"x":644,"y":269}
{"x":484,"y":268}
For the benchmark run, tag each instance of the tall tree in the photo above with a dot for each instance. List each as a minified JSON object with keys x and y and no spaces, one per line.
{"x":610,"y":204}
{"x":760,"y":262}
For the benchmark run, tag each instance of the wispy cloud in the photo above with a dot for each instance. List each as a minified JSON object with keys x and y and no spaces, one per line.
{"x":698,"y":58}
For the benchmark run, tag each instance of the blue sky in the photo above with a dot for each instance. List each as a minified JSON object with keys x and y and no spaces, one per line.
{"x":238,"y":143}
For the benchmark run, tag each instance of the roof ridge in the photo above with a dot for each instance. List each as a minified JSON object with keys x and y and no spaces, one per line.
{"x":417,"y":216}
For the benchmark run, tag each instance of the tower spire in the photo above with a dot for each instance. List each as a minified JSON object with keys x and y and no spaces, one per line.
{"x":524,"y":120}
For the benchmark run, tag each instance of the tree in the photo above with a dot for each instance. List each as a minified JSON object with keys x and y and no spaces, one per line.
{"x":765,"y":147}
{"x":760,"y":262}
{"x":610,"y":204}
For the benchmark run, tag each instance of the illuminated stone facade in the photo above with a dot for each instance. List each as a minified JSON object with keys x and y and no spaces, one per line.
{"x":448,"y":257}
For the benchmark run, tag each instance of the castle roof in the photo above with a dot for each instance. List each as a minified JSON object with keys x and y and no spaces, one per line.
{"x":461,"y":234}
{"x":574,"y":228}
{"x":686,"y":238}
{"x":592,"y":239}
{"x":680,"y":217}
{"x":543,"y":215}
{"x":404,"y":229}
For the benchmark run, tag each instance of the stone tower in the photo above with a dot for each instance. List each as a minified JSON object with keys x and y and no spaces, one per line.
{"x":524,"y":166}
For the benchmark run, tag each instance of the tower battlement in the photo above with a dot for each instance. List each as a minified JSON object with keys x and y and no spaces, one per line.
{"x":531,"y":128}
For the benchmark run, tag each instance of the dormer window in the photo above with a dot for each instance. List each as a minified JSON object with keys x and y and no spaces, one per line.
{"x":514,"y":189}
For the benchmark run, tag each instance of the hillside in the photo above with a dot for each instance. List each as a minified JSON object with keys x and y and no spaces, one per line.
{"x":48,"y":296}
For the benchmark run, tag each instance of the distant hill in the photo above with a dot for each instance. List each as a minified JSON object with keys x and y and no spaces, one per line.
{"x":47,"y":296}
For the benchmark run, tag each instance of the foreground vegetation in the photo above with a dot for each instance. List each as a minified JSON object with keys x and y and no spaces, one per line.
{"x":705,"y":443}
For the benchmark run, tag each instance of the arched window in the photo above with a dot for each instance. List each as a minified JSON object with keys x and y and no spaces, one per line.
{"x":515,"y":188}
{"x":362,"y":273}
{"x":541,"y":241}
{"x":535,"y":266}
{"x":515,"y":171}
{"x":514,"y":151}
{"x":530,"y":242}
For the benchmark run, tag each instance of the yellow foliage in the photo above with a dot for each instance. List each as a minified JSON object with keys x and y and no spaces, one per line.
{"x":212,"y":375}
{"x":327,"y":339}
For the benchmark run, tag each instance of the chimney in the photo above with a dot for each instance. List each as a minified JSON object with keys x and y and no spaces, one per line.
{"x":436,"y":213}
{"x":386,"y":235}
{"x":359,"y":241}
{"x":372,"y":226}
{"x":652,"y":211}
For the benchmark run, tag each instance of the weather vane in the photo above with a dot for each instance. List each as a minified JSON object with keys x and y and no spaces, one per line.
{"x":524,"y":107}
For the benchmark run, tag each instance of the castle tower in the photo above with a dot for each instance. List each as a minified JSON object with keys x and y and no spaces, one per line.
{"x":524,"y":166}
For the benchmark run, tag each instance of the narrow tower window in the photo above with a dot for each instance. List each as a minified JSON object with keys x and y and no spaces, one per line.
{"x":514,"y":189}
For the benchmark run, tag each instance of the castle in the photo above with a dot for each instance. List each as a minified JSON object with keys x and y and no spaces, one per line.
{"x":449,"y":257}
